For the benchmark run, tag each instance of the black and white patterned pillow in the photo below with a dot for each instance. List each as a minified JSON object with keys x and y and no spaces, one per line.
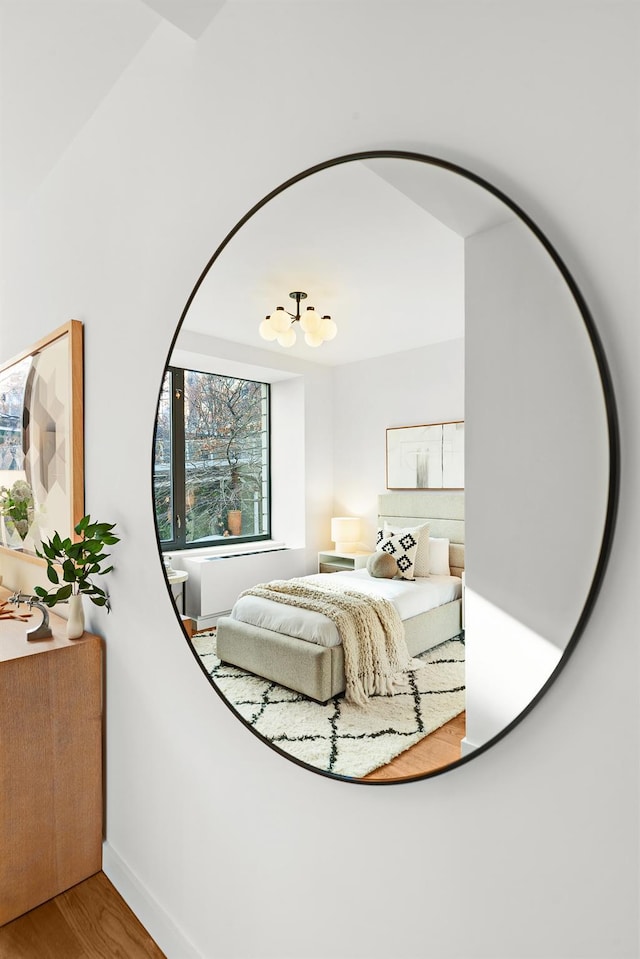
{"x":403,"y":547}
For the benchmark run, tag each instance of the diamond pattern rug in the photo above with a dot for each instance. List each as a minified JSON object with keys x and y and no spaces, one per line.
{"x":339,"y":737}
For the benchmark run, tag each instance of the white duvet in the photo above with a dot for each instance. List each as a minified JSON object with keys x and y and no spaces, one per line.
{"x":409,"y":598}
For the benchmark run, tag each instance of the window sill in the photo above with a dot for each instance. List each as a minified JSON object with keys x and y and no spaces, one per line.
{"x":225,"y":551}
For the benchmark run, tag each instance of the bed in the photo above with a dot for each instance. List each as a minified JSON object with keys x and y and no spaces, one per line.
{"x":281,"y":653}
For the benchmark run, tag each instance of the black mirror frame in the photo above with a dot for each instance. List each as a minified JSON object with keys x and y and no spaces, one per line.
{"x":612,"y":426}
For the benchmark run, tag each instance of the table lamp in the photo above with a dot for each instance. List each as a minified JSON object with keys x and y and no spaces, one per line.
{"x":345,"y":533}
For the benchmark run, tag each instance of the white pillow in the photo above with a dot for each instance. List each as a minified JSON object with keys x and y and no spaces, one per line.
{"x":422,"y":535}
{"x":439,"y":556}
{"x":403,"y":547}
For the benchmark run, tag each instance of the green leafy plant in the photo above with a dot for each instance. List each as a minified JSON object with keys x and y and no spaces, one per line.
{"x":16,"y":503}
{"x":73,"y":563}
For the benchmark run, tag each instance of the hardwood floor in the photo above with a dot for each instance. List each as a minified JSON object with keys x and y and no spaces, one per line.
{"x":92,"y":920}
{"x":439,"y":749}
{"x":89,"y":921}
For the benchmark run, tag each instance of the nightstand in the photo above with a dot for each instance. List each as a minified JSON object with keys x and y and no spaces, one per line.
{"x":177,"y":579}
{"x":332,"y":561}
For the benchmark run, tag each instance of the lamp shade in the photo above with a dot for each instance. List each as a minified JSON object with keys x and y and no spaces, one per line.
{"x":345,"y":533}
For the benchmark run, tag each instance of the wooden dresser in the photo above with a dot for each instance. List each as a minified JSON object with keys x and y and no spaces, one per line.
{"x":50,"y":763}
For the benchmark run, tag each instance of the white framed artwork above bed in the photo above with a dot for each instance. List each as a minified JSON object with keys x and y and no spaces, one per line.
{"x":301,"y":649}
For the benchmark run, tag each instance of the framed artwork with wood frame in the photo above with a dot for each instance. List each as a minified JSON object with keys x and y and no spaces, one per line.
{"x":430,"y":456}
{"x":42,"y":441}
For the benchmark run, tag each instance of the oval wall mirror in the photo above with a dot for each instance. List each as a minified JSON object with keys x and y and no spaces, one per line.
{"x":384,"y":520}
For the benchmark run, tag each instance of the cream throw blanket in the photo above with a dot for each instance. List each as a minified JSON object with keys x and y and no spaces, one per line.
{"x":371,"y":631}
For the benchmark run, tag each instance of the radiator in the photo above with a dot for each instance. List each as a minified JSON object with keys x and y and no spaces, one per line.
{"x":215,"y":582}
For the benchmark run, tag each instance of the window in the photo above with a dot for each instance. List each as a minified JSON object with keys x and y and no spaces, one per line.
{"x":211,"y":460}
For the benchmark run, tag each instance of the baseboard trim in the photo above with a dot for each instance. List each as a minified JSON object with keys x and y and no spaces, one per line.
{"x":466,"y":746}
{"x":162,"y":929}
{"x":208,"y":622}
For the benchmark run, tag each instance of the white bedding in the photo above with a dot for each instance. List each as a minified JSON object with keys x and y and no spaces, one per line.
{"x":409,"y":598}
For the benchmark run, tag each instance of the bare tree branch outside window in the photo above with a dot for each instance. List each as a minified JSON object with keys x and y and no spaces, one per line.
{"x":225,"y":430}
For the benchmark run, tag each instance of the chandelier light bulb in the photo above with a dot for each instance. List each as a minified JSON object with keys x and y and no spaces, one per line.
{"x":280,"y":320}
{"x":266,"y":330}
{"x":313,"y":339}
{"x":328,"y":328}
{"x":287,"y":338}
{"x":310,"y":321}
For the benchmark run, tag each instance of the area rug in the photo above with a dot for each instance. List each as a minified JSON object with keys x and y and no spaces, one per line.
{"x":339,"y":737}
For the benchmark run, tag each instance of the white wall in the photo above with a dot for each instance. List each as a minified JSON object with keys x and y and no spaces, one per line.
{"x":506,"y":664}
{"x":536,"y":473}
{"x":403,"y":389}
{"x":536,"y":437}
{"x":528,"y":851}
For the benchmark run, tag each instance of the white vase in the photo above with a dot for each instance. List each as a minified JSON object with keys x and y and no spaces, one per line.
{"x":75,"y":623}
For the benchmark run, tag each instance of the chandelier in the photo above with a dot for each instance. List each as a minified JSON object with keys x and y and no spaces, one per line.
{"x":279,"y":325}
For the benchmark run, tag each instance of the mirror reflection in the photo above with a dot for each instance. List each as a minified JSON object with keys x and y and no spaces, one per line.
{"x":368,"y":631}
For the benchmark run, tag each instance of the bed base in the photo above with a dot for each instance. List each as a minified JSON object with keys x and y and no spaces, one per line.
{"x":318,"y":671}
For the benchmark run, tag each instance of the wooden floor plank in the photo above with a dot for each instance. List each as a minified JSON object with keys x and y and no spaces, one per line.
{"x":41,"y":933}
{"x":89,"y":921}
{"x":103,"y":923}
{"x":439,"y":749}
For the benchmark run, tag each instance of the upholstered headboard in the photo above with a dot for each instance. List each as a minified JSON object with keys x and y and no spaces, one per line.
{"x":444,"y":511}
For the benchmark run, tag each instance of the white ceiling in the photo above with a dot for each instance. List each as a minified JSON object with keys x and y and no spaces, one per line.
{"x":191,"y":16}
{"x":59,"y":59}
{"x":458,"y":202}
{"x":378,"y":245}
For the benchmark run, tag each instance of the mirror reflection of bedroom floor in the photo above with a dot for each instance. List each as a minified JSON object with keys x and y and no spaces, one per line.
{"x":436,"y":751}
{"x":425,"y":714}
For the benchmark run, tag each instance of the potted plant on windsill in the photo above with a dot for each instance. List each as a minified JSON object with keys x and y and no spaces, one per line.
{"x":70,"y":567}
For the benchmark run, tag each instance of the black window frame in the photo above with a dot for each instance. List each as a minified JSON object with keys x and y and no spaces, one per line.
{"x":178,"y":491}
